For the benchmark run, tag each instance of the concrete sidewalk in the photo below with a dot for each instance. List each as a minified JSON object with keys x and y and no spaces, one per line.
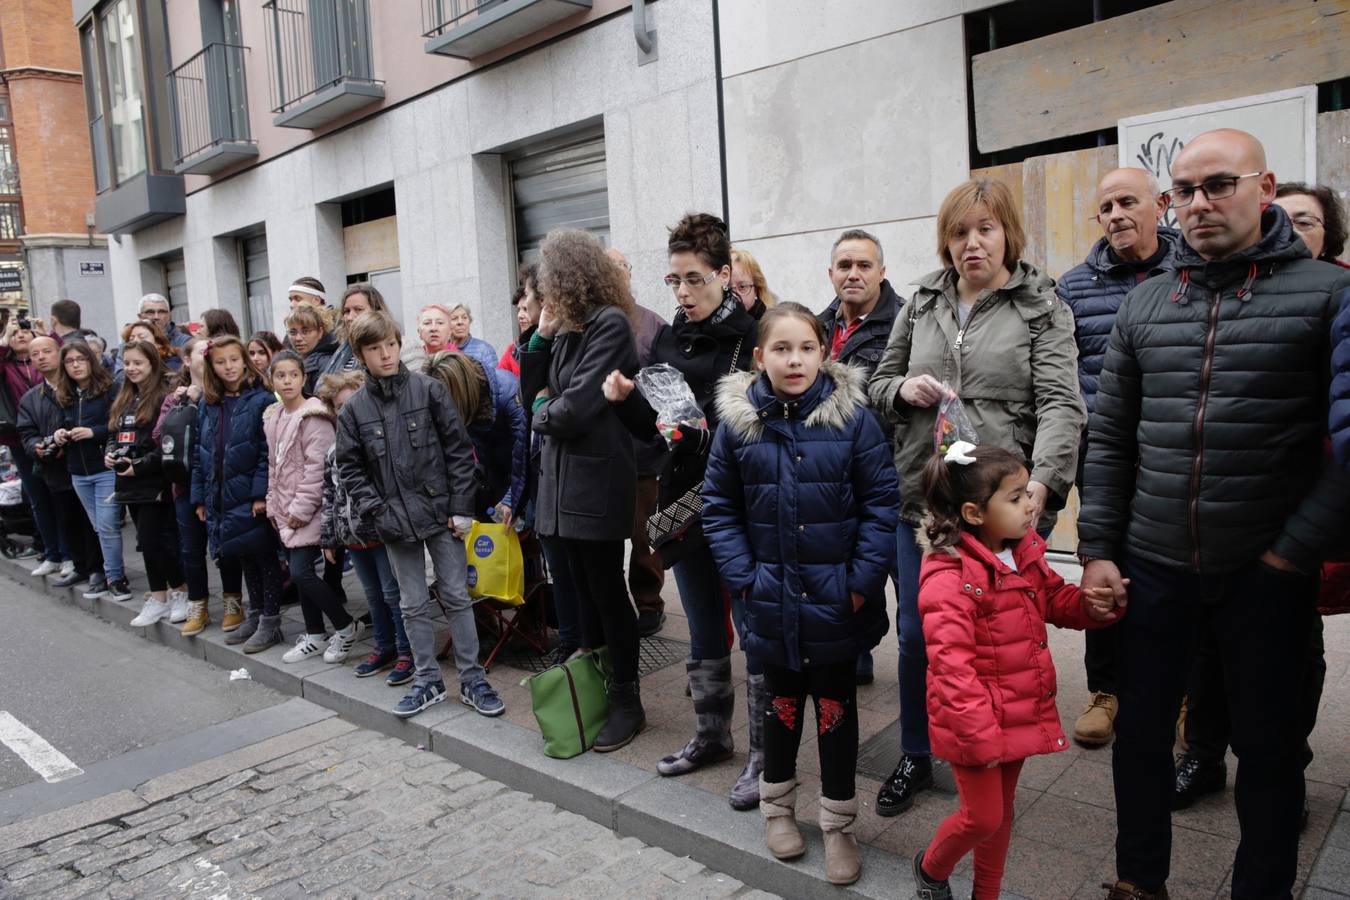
{"x":1064,"y":832}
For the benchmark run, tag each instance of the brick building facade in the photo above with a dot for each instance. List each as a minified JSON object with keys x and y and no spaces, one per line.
{"x":46,"y":174}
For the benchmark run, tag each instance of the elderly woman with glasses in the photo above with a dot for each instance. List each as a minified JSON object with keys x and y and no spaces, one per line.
{"x":711,"y":335}
{"x":1317,"y":216}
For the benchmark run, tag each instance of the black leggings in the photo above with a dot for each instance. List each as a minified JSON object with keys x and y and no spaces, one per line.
{"x":157,"y":539}
{"x":597,"y":570}
{"x":262,"y":573}
{"x":317,"y":599}
{"x":231,"y":575}
{"x":834,"y":689}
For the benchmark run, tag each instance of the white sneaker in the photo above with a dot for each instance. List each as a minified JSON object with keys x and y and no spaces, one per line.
{"x":151,"y":612}
{"x":306,"y":645}
{"x":67,"y":569}
{"x":178,"y":603}
{"x":46,"y":567}
{"x":340,"y":645}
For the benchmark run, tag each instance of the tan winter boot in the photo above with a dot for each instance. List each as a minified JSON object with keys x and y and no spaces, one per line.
{"x":778,"y":802}
{"x":197,"y":620}
{"x":1096,"y":725}
{"x":234,"y":612}
{"x":843,"y":864}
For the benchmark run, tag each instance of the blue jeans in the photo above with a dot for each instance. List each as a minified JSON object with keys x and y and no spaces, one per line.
{"x":381,"y":587}
{"x":106,"y":516}
{"x":913,"y":653}
{"x":566,"y":600}
{"x":54,"y":546}
{"x":702,"y":597}
{"x":192,"y":538}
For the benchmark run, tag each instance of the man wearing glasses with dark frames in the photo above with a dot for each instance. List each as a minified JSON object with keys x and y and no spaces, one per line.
{"x":1206,"y":495}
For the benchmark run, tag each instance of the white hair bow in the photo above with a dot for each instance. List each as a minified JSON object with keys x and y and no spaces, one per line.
{"x":959,"y":453}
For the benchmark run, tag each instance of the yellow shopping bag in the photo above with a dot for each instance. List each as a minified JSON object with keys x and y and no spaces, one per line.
{"x":496,"y":565}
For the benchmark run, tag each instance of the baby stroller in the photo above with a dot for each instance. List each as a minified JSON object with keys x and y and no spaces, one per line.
{"x":15,"y":516}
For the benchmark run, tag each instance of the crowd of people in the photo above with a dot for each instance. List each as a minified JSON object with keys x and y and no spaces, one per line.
{"x":1192,"y":382}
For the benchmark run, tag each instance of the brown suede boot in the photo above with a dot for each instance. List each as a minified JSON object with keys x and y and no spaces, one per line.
{"x":234,"y":612}
{"x":1097,"y":725}
{"x":197,"y":620}
{"x":843,"y":864}
{"x":778,"y":802}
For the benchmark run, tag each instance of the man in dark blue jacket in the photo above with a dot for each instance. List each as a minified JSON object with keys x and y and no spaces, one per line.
{"x":1340,"y":383}
{"x":1133,"y":248}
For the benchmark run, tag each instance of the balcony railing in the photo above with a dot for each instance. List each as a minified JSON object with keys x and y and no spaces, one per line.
{"x":319,"y":60}
{"x":210,"y":110}
{"x":470,"y":28}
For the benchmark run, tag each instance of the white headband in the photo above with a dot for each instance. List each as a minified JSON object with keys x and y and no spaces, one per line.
{"x":306,"y":289}
{"x":959,"y":453}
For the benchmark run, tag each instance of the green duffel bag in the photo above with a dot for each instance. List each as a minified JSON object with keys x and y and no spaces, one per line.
{"x":571,"y":703}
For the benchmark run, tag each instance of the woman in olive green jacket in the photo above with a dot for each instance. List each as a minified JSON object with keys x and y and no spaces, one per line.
{"x":989,"y":326}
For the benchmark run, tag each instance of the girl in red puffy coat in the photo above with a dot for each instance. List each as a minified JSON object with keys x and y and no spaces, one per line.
{"x":985,"y":595}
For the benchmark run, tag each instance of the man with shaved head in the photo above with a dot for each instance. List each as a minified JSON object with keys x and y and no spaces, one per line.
{"x":1208,"y":498}
{"x":1132,"y":249}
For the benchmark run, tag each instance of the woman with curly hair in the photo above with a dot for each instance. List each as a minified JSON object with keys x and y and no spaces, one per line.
{"x":587,"y":474}
{"x":711,"y":335}
{"x":150,"y":333}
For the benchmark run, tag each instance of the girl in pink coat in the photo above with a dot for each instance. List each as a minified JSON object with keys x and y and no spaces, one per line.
{"x":299,"y":434}
{"x":985,"y":595}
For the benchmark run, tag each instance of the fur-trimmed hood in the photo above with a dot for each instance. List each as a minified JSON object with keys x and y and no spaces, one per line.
{"x":744,"y":399}
{"x":312,"y":406}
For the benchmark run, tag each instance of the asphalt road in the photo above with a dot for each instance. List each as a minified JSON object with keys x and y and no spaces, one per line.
{"x":95,"y":692}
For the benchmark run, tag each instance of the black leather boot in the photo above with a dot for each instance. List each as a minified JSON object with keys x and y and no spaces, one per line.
{"x":1195,"y":779}
{"x":914,"y":774}
{"x":626,"y":718}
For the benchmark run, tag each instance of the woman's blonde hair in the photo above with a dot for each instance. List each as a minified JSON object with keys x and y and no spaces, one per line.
{"x":996,"y":198}
{"x":464,"y":378}
{"x":577,"y":276}
{"x":335,"y":383}
{"x":746,"y":260}
{"x":308,"y":317}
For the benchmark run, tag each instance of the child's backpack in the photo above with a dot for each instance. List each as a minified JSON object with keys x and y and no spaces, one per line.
{"x":178,"y":441}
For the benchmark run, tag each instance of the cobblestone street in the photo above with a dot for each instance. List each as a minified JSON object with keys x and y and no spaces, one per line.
{"x":359,"y":815}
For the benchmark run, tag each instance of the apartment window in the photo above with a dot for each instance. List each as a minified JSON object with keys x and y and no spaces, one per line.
{"x":121,"y":54}
{"x":11,"y":221}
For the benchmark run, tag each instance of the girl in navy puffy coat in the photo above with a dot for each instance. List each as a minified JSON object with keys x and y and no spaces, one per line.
{"x":229,"y":485}
{"x":800,"y":504}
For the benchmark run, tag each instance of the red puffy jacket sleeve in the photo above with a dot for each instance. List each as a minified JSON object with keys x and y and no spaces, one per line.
{"x":1064,"y":602}
{"x":962,"y":721}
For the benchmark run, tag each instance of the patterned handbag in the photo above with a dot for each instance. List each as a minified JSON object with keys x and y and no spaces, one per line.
{"x":672,"y":529}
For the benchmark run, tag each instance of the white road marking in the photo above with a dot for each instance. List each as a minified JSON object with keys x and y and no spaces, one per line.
{"x":40,"y":756}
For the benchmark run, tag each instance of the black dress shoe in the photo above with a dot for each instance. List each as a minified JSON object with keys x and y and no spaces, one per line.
{"x":1195,"y":779}
{"x":649,"y":622}
{"x":913,"y":774}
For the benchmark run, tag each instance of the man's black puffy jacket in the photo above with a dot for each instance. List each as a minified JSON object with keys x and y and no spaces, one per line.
{"x":866,"y":344}
{"x":404,"y":456}
{"x":1207,"y":446}
{"x":39,"y":418}
{"x":1094,"y":290}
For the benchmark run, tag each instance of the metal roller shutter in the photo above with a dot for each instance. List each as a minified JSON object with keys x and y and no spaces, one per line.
{"x":562,"y":186}
{"x":175,"y":283}
{"x":257,"y":284}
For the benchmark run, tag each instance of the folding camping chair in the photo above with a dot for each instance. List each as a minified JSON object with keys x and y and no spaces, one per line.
{"x":527,"y":621}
